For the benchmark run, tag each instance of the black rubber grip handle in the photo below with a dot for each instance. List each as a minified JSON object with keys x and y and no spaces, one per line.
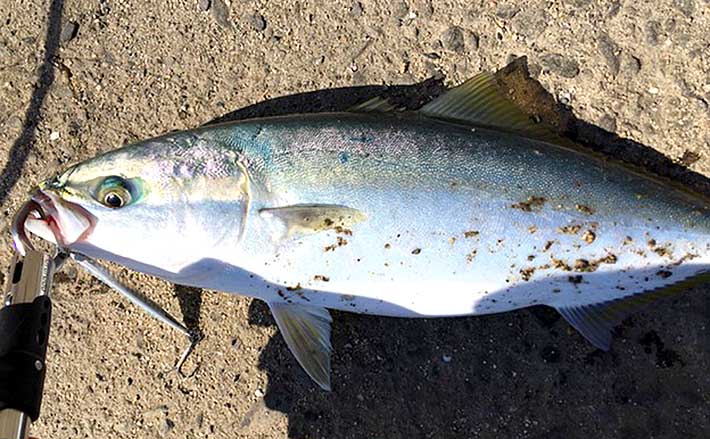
{"x":24,"y":330}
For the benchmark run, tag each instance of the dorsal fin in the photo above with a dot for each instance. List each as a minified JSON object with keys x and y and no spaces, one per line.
{"x":374,"y":105}
{"x":481,"y":101}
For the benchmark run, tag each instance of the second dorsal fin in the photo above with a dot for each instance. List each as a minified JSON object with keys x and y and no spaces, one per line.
{"x":374,"y":105}
{"x":480,"y":101}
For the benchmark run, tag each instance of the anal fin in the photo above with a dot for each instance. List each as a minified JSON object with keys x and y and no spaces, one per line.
{"x":306,"y":330}
{"x":591,"y":322}
{"x":595,"y":322}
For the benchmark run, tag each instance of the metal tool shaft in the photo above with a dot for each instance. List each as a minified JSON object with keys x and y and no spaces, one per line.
{"x":28,"y":278}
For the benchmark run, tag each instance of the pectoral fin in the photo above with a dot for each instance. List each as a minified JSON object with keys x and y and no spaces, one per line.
{"x":306,"y":330}
{"x":312,"y":218}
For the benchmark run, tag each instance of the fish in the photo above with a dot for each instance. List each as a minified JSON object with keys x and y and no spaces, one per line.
{"x":466,"y":206}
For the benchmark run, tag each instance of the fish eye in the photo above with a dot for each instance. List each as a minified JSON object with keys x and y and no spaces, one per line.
{"x":115,"y":192}
{"x":114,"y":199}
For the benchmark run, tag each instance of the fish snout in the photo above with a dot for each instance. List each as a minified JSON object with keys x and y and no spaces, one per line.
{"x":51,"y":218}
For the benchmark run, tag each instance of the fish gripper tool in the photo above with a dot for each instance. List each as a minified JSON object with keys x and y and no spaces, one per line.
{"x":24,"y":331}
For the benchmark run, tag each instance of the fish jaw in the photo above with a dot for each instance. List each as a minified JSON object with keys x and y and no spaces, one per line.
{"x":59,"y":221}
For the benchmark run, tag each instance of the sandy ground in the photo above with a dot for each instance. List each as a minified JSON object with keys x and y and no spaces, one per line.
{"x":78,"y":77}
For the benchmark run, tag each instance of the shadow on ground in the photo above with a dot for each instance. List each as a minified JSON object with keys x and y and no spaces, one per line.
{"x":521,"y":374}
{"x":190,"y":302}
{"x":21,"y":148}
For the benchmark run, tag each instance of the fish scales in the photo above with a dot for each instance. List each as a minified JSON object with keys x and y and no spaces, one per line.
{"x":424,"y":184}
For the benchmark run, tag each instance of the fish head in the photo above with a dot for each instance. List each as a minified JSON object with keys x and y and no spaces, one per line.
{"x":136,"y":206}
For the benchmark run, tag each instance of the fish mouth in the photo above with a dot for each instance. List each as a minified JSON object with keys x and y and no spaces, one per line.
{"x":53,"y":219}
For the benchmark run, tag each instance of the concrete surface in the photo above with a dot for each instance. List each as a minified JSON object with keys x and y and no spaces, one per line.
{"x":78,"y":77}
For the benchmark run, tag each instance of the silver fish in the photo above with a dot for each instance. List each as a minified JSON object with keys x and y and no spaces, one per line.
{"x":463,"y":207}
